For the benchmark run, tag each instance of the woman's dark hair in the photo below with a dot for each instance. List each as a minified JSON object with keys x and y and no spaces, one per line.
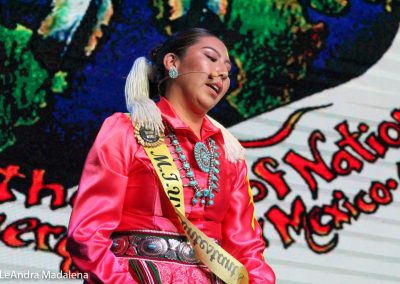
{"x":177,"y":44}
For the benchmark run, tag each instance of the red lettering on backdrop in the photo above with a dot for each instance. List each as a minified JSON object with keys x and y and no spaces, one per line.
{"x":18,"y":234}
{"x":11,"y":235}
{"x":275,"y":179}
{"x":300,"y":219}
{"x":312,"y":244}
{"x":282,"y":221}
{"x":351,"y":209}
{"x":344,"y":163}
{"x":306,"y":167}
{"x":316,"y":214}
{"x":43,"y":233}
{"x":326,"y":220}
{"x":8,"y":173}
{"x":386,"y":130}
{"x":338,"y":216}
{"x":61,"y":250}
{"x":381,"y":193}
{"x":57,"y":191}
{"x":262,"y":191}
{"x":350,"y":139}
{"x":363,"y":205}
{"x":373,"y":142}
{"x":25,"y":231}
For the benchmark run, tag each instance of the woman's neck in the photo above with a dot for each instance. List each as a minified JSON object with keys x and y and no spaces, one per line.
{"x":188,"y":116}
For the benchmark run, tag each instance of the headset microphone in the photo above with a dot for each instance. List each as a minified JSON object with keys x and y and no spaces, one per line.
{"x":191,"y":72}
{"x":210,"y":75}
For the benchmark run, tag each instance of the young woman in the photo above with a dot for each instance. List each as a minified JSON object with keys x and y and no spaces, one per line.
{"x":123,"y":227}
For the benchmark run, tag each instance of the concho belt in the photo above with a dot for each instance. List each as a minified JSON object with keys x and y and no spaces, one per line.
{"x":153,"y":244}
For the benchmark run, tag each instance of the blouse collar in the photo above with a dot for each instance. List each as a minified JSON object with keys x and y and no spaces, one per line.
{"x":168,"y":114}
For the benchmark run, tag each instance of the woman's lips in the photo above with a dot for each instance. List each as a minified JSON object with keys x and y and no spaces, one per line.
{"x":215,"y":88}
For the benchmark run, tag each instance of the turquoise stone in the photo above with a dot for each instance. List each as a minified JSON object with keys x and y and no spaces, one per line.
{"x":193,"y":182}
{"x":175,"y":142}
{"x":210,"y":202}
{"x":213,"y":185}
{"x":216,"y":162}
{"x":183,"y":157}
{"x":214,"y":178}
{"x":206,"y":192}
{"x":186,"y":165}
{"x":212,"y":195}
{"x":152,"y":246}
{"x":190,"y":174}
{"x":178,"y":149}
{"x":203,"y":201}
{"x":216,"y":170}
{"x":198,"y":194}
{"x":194,"y":200}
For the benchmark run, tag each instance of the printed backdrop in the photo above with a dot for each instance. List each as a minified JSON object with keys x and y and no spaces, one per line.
{"x":315,"y":99}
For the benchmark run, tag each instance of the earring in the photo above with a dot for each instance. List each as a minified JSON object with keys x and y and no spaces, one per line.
{"x":173,"y":73}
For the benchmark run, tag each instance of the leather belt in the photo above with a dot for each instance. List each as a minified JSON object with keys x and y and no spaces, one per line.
{"x":153,"y":244}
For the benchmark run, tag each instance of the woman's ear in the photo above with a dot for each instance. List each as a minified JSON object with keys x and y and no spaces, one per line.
{"x":170,"y":61}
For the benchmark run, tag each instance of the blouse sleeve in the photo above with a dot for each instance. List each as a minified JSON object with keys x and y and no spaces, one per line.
{"x":98,"y":206}
{"x":241,"y":233}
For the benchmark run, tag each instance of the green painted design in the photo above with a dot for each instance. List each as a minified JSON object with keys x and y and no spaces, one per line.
{"x":59,"y":83}
{"x":263,"y":50}
{"x":329,"y":6}
{"x":21,"y":80}
{"x":23,"y":83}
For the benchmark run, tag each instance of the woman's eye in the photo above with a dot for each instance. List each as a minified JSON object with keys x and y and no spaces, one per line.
{"x":213,"y":59}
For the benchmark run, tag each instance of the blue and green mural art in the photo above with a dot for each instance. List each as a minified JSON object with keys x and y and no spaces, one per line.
{"x":63,"y":65}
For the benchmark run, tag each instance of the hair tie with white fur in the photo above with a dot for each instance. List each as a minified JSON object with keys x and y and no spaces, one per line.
{"x":142,"y":109}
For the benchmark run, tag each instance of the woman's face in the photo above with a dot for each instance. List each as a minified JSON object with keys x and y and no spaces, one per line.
{"x":202,"y":90}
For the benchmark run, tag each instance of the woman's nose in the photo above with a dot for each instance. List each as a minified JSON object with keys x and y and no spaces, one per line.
{"x":223,"y":75}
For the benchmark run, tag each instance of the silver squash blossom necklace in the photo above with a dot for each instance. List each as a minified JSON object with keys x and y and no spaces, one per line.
{"x":207,"y":159}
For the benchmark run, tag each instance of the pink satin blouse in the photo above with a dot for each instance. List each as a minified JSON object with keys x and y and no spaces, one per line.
{"x":120,"y":191}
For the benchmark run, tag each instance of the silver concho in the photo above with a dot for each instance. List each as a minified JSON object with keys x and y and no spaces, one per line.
{"x":173,"y":247}
{"x":152,"y":246}
{"x":186,"y":253}
{"x":120,"y":245}
{"x":148,"y":137}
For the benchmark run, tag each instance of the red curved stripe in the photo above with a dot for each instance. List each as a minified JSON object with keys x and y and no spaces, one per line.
{"x":283,"y":132}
